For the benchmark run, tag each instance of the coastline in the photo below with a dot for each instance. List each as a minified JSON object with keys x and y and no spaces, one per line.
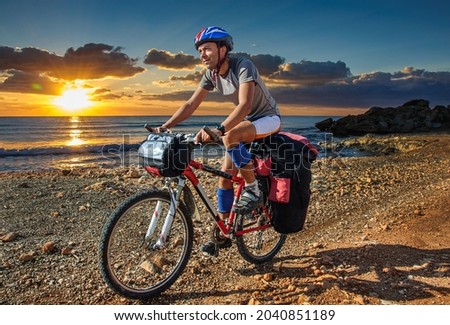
{"x":372,"y":220}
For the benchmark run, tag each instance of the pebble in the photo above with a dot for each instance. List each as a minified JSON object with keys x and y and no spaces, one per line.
{"x":26,"y":257}
{"x":268,"y":277}
{"x":66,"y":251}
{"x":10,"y":236}
{"x":48,"y":247}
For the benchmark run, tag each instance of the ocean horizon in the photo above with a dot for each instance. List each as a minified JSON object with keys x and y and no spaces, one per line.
{"x":44,"y":143}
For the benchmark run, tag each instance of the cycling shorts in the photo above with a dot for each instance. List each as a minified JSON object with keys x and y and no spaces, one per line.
{"x":267,"y":125}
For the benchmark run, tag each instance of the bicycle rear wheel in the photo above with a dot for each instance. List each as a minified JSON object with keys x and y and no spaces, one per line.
{"x":260,"y":246}
{"x":134,"y":266}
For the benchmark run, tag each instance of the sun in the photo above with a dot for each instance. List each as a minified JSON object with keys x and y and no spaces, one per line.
{"x":73,"y":100}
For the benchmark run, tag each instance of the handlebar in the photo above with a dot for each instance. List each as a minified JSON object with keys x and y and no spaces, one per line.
{"x":190,"y":138}
{"x":211,"y":134}
{"x":148,"y":128}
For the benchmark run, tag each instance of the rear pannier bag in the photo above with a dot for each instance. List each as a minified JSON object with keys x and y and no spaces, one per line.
{"x":289,"y":194}
{"x":166,"y":152}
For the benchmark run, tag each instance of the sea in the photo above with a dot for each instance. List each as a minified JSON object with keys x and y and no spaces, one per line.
{"x":49,"y":143}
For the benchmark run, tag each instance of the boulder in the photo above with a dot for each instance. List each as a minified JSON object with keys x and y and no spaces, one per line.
{"x":412,"y":116}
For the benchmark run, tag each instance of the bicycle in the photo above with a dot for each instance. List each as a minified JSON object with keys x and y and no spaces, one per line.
{"x":147,"y":241}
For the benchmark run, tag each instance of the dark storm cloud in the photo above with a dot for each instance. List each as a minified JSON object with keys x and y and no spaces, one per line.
{"x":167,"y":60}
{"x":91,"y":61}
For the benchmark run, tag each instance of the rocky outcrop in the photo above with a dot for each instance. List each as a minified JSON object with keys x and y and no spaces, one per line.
{"x":413,"y":116}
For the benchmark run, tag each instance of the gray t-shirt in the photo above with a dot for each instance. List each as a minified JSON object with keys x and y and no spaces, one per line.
{"x":242,"y":70}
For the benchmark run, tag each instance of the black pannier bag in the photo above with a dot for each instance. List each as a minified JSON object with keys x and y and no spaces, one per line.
{"x":166,"y":152}
{"x":289,"y":195}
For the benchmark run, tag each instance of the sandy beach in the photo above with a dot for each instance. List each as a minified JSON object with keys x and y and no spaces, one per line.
{"x":376,"y":233}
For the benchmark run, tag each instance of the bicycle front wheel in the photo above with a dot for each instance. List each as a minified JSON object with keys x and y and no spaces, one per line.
{"x":138,"y":267}
{"x":258,"y":246}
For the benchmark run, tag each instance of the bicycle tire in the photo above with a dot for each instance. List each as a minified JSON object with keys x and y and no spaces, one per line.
{"x":260,"y":246}
{"x":132,"y":266}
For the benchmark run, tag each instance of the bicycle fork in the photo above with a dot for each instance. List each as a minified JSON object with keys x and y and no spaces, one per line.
{"x":175,"y":195}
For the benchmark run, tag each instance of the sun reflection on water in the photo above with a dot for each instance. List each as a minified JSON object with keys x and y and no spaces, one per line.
{"x":75,"y":133}
{"x":74,"y":119}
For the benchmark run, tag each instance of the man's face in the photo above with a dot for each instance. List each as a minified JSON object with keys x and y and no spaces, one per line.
{"x":209,"y":54}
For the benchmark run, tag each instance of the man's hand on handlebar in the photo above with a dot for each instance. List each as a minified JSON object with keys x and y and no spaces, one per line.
{"x":206,"y":135}
{"x":158,"y":129}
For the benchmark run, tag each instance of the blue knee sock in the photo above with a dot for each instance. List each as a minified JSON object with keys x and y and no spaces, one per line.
{"x":240,"y":155}
{"x":225,"y":199}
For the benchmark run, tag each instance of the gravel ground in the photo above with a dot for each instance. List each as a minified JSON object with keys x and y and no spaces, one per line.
{"x":376,"y":233}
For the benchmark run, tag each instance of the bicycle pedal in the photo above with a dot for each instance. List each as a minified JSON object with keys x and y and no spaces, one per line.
{"x":210,"y":249}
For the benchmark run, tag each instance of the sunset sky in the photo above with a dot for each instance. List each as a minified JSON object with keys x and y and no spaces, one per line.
{"x":98,"y":57}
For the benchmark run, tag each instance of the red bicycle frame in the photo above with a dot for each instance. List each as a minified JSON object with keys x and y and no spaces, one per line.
{"x":227,"y":228}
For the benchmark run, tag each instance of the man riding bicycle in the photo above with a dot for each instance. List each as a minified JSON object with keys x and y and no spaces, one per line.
{"x":255,"y":116}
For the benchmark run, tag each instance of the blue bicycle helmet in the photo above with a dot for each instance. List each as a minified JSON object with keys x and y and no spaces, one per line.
{"x":214,"y":34}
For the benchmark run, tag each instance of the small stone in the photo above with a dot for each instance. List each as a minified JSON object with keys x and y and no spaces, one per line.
{"x":66,"y":251}
{"x":258,"y":277}
{"x":66,"y":172}
{"x":254,"y":301}
{"x":26,"y":257}
{"x":8,"y":237}
{"x":291,"y":288}
{"x":359,"y":300}
{"x":134,"y":174}
{"x":161,"y":261}
{"x":48,"y":247}
{"x":149,"y":267}
{"x":23,"y":185}
{"x":303,"y":299}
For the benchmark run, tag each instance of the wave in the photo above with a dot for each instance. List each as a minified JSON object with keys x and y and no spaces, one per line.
{"x":47,"y":151}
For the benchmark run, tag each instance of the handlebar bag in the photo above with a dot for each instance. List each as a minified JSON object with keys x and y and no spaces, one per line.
{"x":166,"y":152}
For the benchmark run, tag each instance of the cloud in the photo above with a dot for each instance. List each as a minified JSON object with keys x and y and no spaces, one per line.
{"x":24,"y":82}
{"x":328,"y":84}
{"x":266,"y":63}
{"x":28,"y":60}
{"x":182,"y":95}
{"x":303,"y":83}
{"x":101,"y":94}
{"x":371,"y":89}
{"x":91,"y":61}
{"x":168,"y":60}
{"x":189,"y":79}
{"x":311,"y":73}
{"x":96,"y":61}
